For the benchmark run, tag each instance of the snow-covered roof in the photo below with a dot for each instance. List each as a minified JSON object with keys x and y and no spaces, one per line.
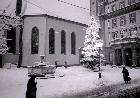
{"x":73,"y":10}
{"x":60,"y":9}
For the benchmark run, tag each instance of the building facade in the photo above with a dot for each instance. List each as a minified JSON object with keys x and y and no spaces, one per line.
{"x":120,"y":30}
{"x":53,"y":29}
{"x":58,"y":39}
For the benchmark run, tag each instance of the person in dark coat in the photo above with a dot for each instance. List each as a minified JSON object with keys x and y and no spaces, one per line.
{"x":125,"y":75}
{"x":31,"y":88}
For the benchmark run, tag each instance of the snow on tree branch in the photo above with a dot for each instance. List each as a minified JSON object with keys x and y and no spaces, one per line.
{"x":7,"y":21}
{"x":92,"y":42}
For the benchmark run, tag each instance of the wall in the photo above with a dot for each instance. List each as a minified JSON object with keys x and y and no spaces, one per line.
{"x":68,"y":27}
{"x":108,"y":24}
{"x":44,"y":23}
{"x":30,"y":22}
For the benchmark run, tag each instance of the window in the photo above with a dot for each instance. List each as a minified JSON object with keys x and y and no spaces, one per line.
{"x":122,"y":21}
{"x":114,"y":7}
{"x":63,"y":42}
{"x":123,"y":33}
{"x":73,"y":43}
{"x":131,"y":2}
{"x":51,"y":41}
{"x":132,"y":17}
{"x":108,"y":24}
{"x":133,"y":32}
{"x":121,"y":4}
{"x":114,"y":22}
{"x":101,"y":9}
{"x":34,"y":40}
{"x":115,"y":34}
{"x":11,"y":40}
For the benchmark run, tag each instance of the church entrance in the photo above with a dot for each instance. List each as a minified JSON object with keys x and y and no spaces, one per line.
{"x":128,"y":57}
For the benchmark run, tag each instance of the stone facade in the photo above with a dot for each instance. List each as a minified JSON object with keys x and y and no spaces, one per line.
{"x":120,"y":28}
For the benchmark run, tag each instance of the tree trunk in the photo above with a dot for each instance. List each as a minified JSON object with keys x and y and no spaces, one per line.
{"x":0,"y":60}
{"x":20,"y":47}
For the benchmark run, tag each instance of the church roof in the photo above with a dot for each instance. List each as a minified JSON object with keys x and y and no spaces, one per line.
{"x":73,"y":10}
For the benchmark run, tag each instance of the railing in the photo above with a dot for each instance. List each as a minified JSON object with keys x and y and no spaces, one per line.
{"x":124,"y":40}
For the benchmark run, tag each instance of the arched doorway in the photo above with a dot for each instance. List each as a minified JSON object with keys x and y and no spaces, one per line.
{"x":128,"y":57}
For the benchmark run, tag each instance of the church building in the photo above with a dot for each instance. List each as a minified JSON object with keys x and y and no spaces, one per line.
{"x":55,"y":30}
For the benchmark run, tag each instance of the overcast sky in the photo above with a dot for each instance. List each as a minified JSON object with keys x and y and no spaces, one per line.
{"x":54,"y":8}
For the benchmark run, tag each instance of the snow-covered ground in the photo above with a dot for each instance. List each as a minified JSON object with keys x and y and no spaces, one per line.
{"x":75,"y":79}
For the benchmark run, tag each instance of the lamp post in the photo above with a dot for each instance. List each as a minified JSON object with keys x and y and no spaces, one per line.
{"x":99,"y":58}
{"x":100,"y":44}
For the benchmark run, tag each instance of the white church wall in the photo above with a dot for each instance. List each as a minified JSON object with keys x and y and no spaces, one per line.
{"x":58,"y":25}
{"x":30,"y":22}
{"x":44,"y":23}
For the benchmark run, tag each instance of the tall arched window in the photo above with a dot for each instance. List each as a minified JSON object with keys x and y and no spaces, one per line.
{"x":51,"y":41}
{"x":34,"y":40}
{"x":63,"y":42}
{"x":73,"y":43}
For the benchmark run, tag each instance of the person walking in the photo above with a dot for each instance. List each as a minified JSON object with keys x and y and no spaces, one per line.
{"x":126,"y":75}
{"x":31,"y":88}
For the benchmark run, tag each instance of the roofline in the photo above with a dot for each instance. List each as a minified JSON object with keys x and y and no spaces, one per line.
{"x":82,"y":24}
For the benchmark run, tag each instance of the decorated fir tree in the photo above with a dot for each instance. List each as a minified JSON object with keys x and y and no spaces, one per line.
{"x":92,"y":44}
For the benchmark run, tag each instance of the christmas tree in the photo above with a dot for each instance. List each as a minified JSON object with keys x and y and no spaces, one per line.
{"x":92,"y":44}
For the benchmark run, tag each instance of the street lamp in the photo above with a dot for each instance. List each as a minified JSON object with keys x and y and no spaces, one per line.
{"x":99,"y":57}
{"x":99,"y":45}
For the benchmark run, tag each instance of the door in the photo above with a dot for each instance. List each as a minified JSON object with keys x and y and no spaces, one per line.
{"x":128,"y":57}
